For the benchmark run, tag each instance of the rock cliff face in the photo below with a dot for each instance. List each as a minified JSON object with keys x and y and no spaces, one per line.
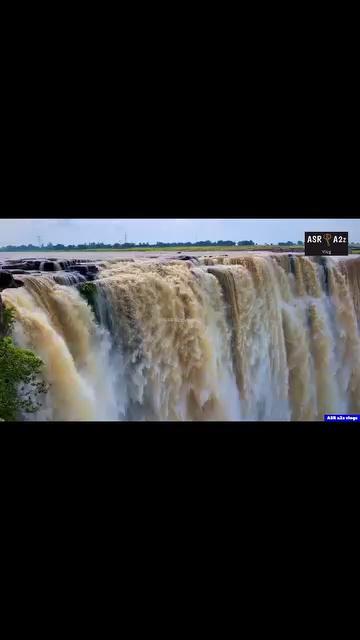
{"x":7,"y":281}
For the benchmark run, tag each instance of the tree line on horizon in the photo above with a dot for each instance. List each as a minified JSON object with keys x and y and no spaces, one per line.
{"x":145,"y":245}
{"x":149,"y":245}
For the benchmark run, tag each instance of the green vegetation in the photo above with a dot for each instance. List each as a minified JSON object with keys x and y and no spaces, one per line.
{"x":253,"y":247}
{"x":201,"y":245}
{"x":21,"y":386}
{"x":7,"y":319}
{"x":88,"y":291}
{"x":204,"y":245}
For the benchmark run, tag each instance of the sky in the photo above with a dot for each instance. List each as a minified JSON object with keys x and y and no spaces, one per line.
{"x":81,"y":230}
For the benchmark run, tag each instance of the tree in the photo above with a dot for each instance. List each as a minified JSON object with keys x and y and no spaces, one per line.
{"x":300,"y":243}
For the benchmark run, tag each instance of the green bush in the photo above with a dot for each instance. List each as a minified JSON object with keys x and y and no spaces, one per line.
{"x":7,"y":321}
{"x":21,"y":386}
{"x":88,"y":291}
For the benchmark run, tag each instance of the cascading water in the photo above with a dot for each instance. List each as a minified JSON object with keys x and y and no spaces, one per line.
{"x":250,"y":337}
{"x":57,"y":324}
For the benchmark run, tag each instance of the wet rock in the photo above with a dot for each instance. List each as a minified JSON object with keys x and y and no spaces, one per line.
{"x":14,"y":271}
{"x":49,"y":266}
{"x":324,"y":265}
{"x":27,"y":265}
{"x":64,"y":264}
{"x":84,"y":269}
{"x":13,"y":265}
{"x":188,"y":258}
{"x":292,"y":264}
{"x":79,"y":268}
{"x":6,"y":280}
{"x":33,"y":264}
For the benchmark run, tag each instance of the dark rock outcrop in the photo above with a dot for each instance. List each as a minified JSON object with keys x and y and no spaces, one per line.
{"x":13,"y":265}
{"x":192,"y":258}
{"x":15,"y":271}
{"x":80,"y":270}
{"x":6,"y":280}
{"x":84,"y":269}
{"x":49,"y":266}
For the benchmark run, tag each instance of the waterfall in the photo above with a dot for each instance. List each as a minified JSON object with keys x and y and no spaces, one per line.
{"x":57,"y":324}
{"x":249,"y":337}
